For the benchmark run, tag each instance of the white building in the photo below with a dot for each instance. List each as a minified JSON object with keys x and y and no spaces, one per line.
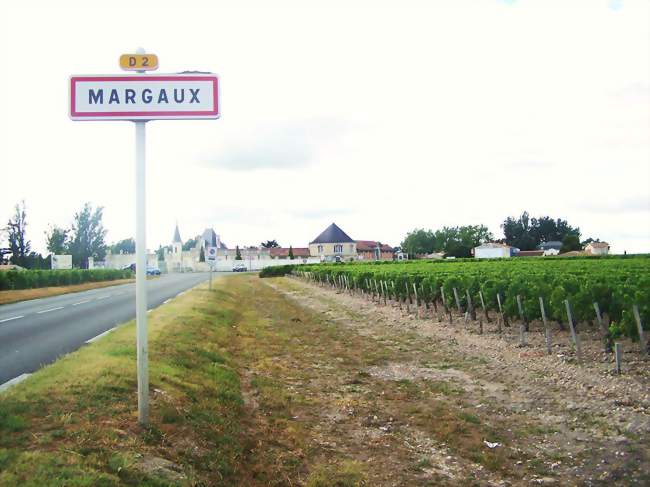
{"x":492,"y":250}
{"x":597,"y":248}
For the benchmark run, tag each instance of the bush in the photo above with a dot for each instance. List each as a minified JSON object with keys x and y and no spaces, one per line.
{"x":43,"y":278}
{"x":277,"y":271}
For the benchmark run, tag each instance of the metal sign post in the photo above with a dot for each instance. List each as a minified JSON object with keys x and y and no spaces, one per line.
{"x":211,"y":257}
{"x":141,"y":271}
{"x":140,"y":98}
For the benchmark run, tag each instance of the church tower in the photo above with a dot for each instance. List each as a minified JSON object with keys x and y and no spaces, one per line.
{"x":177,"y":243}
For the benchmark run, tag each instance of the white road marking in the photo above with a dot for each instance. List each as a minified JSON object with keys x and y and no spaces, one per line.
{"x":81,"y":302}
{"x":167,"y":301}
{"x":12,"y":318}
{"x":99,"y":336}
{"x":104,"y":297}
{"x":13,"y":382}
{"x":48,"y":310}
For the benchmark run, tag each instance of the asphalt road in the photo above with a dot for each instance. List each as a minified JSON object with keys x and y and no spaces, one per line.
{"x":34,"y":333}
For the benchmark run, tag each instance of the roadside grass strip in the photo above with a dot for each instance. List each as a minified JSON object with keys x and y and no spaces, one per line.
{"x":74,"y":423}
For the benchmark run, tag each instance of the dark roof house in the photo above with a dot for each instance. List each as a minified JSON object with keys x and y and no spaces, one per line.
{"x":332,"y":234}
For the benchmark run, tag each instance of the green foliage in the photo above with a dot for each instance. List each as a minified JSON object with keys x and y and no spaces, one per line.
{"x":237,"y":253}
{"x":45,"y":278}
{"x":571,"y":242}
{"x":19,"y":245}
{"x":87,"y":236}
{"x":616,"y":283}
{"x":202,"y":255}
{"x":57,"y":240}
{"x":126,"y":246}
{"x":270,"y":244}
{"x":527,"y":233}
{"x":453,"y":241}
{"x":291,"y":256}
{"x":190,"y":244}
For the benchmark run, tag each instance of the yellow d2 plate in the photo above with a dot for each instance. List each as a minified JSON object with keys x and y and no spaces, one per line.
{"x":139,"y":62}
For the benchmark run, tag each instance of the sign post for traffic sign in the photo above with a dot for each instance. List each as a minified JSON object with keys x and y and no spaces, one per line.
{"x":140,"y":98}
{"x":211,"y":257}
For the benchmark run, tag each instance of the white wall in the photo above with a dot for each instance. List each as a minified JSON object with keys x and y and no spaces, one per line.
{"x":491,"y":253}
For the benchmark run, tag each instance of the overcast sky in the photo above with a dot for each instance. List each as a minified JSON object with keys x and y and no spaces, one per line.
{"x":381,"y":117}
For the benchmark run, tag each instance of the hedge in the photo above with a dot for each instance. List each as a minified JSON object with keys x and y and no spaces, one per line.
{"x":29,"y":279}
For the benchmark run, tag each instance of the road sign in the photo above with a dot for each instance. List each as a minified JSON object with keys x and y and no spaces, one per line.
{"x":139,"y":62}
{"x":144,"y":97}
{"x":211,"y":254}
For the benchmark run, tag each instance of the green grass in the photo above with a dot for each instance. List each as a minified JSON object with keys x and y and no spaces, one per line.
{"x":74,"y":423}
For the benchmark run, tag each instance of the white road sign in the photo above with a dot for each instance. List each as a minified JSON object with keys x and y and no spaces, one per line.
{"x":144,"y":97}
{"x":211,"y":254}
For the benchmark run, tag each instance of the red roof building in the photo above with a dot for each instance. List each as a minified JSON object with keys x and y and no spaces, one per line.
{"x":367,"y":250}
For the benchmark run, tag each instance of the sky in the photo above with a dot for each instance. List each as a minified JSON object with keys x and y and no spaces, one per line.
{"x":380,"y":116}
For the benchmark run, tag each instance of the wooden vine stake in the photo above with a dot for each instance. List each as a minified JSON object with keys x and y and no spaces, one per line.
{"x":444,"y":303}
{"x":417,"y":301}
{"x":470,"y":305}
{"x":503,"y":316}
{"x":460,"y":310}
{"x":607,"y":340}
{"x":618,"y":353}
{"x":485,"y":311}
{"x":523,"y":327}
{"x":645,"y":346}
{"x":547,"y":330}
{"x":574,"y":335}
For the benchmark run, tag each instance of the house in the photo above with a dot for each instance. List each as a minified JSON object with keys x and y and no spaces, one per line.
{"x":333,"y":245}
{"x":492,"y":250}
{"x":597,"y":248}
{"x":283,"y":252}
{"x":373,"y":250}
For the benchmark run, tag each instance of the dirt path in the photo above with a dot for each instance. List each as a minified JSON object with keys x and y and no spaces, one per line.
{"x":387,"y":399}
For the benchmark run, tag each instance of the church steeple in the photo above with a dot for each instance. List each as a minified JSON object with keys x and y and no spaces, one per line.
{"x":177,"y":235}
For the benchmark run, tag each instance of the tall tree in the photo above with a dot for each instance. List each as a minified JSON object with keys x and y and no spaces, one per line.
{"x":291,"y":256}
{"x":570,"y":242}
{"x":270,"y":244}
{"x":126,"y":246}
{"x":57,"y":240}
{"x":202,"y":255}
{"x":526,"y":233}
{"x":88,"y":235}
{"x":419,"y":241}
{"x":237,"y":253}
{"x":19,"y":246}
{"x":190,"y":244}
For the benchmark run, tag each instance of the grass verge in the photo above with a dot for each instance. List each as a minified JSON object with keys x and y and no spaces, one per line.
{"x":74,"y":423}
{"x":14,"y":296}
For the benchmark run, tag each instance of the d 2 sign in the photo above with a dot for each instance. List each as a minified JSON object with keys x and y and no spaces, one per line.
{"x":144,"y":97}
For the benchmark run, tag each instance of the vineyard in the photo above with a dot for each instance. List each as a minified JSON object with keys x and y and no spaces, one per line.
{"x":612,"y":292}
{"x":29,"y":279}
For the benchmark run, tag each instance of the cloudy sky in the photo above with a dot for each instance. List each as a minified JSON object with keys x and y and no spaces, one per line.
{"x":381,"y":116}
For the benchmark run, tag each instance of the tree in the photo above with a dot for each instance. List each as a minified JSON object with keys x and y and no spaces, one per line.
{"x":237,"y":253}
{"x":16,"y":228}
{"x":270,"y":244}
{"x":126,"y":246}
{"x":588,"y":241}
{"x":190,"y":244}
{"x":57,"y":240}
{"x":162,"y":251}
{"x":202,"y":255}
{"x":526,"y":233}
{"x":570,"y":242}
{"x":419,"y":241}
{"x":87,"y":236}
{"x":291,"y":256}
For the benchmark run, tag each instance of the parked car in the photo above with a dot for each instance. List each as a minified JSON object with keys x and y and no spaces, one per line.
{"x":130,"y":267}
{"x":239,"y":268}
{"x":153,"y":271}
